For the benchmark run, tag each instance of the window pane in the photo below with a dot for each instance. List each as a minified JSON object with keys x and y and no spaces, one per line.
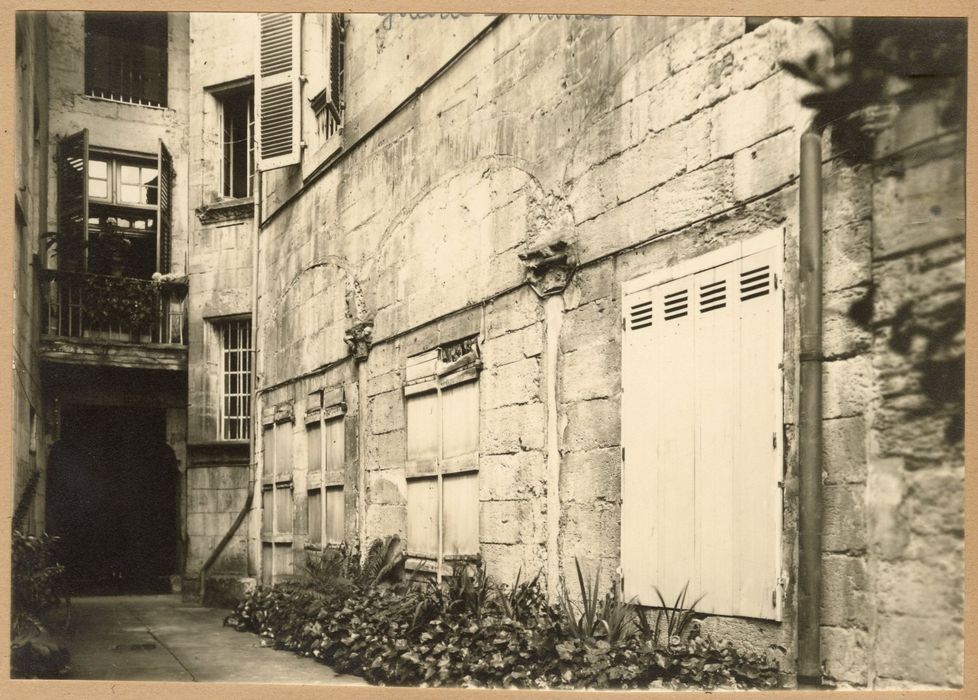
{"x":460,"y":419}
{"x":266,"y":563}
{"x":283,"y":448}
{"x":283,"y":509}
{"x":283,"y":560}
{"x":422,"y":516}
{"x":98,"y":169}
{"x":461,"y":511}
{"x":422,"y":430}
{"x":314,"y":448}
{"x":335,"y":444}
{"x":334,"y":514}
{"x":129,"y":174}
{"x":314,"y":503}
{"x":267,"y":512}
{"x":130,"y":194}
{"x":147,"y":176}
{"x":268,"y":448}
{"x":98,"y":188}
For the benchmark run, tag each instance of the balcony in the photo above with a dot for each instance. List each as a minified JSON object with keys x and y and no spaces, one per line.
{"x":105,"y":320}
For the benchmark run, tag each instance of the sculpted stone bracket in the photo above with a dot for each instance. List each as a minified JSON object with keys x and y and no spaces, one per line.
{"x":358,"y":339}
{"x":549,"y":268}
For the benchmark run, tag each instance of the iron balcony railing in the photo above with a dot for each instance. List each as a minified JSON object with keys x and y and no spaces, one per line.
{"x":117,"y":309}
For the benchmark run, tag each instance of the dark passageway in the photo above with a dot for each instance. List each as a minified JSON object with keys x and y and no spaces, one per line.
{"x":112,"y":498}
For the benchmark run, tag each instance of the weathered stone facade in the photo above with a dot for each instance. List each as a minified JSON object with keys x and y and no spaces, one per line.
{"x":502,"y":183}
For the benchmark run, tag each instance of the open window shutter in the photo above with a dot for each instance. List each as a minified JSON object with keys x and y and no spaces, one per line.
{"x":164,"y":213}
{"x":701,"y":427}
{"x":334,"y":55}
{"x":277,"y":90}
{"x":73,"y":187}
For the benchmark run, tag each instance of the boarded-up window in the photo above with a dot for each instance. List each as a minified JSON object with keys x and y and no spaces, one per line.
{"x":701,"y":429}
{"x":277,"y":86}
{"x":326,"y":466}
{"x":278,"y":516}
{"x":442,"y":406}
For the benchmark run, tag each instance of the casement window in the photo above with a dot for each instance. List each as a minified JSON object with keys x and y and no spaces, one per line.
{"x":326,"y":467}
{"x":277,"y":487}
{"x":279,"y":85}
{"x":132,"y":191}
{"x":235,"y":419}
{"x":327,"y":103}
{"x":125,"y":57}
{"x":702,"y":426}
{"x":237,"y":143}
{"x":442,"y":405}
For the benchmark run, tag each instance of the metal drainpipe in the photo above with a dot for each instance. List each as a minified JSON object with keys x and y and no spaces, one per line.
{"x":252,"y":459}
{"x":809,"y":668}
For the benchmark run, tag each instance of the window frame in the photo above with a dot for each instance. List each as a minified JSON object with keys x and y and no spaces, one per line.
{"x":325,"y":407}
{"x":224,"y":97}
{"x":279,"y":420}
{"x":220,"y":325}
{"x":161,"y":19}
{"x":115,"y":160}
{"x":433,"y":372}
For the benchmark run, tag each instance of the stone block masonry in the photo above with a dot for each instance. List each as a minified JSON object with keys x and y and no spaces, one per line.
{"x":637,"y":143}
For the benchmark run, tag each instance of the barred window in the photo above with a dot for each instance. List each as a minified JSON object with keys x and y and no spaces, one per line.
{"x":236,"y":387}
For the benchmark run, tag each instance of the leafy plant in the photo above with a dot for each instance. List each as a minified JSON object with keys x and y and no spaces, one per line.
{"x":676,"y":617}
{"x":471,"y":631}
{"x":596,"y":617}
{"x":118,"y":301}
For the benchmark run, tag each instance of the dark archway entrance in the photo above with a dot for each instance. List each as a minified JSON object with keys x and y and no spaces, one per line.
{"x":112,"y":498}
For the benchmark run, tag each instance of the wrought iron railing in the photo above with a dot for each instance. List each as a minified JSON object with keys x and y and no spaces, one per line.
{"x":119,"y":309}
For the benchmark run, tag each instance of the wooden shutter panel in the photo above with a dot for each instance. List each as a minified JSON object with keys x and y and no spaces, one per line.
{"x":277,"y":90}
{"x":164,"y":213}
{"x":701,"y":427}
{"x":73,"y":187}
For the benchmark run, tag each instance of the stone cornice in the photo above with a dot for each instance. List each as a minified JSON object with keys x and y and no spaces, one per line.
{"x":230,"y":210}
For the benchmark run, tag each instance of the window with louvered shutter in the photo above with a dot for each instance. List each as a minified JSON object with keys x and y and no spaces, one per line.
{"x":702,"y":419}
{"x":164,"y":203}
{"x":277,"y":90}
{"x":73,"y":199}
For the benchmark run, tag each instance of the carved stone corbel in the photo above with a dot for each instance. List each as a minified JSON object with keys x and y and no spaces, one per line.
{"x":549,"y":267}
{"x":358,"y":339}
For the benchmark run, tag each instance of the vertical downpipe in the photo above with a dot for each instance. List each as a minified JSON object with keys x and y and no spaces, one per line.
{"x":809,"y":669}
{"x":553,"y":307}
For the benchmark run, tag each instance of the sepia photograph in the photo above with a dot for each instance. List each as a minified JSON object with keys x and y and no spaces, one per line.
{"x":471,"y":350}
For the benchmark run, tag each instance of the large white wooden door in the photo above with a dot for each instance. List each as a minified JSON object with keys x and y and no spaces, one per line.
{"x":701,"y":431}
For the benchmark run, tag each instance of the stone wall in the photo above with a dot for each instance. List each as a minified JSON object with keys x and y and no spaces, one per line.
{"x":642,"y":142}
{"x":220,"y":271}
{"x":29,"y":440}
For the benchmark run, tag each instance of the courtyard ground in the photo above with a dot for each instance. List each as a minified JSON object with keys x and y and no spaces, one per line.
{"x":162,"y":638}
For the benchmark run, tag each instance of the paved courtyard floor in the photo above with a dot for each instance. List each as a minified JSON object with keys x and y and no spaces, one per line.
{"x":161,"y":638}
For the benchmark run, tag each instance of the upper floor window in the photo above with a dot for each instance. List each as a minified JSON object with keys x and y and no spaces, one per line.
{"x":127,"y":181}
{"x":125,"y":57}
{"x":238,"y":143}
{"x":279,"y":84}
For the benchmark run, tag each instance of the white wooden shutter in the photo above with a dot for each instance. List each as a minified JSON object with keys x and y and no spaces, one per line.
{"x":277,"y":88}
{"x":701,"y":431}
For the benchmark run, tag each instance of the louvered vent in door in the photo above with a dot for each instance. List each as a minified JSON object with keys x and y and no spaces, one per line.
{"x":277,"y":90}
{"x":640,"y":315}
{"x":676,"y":304}
{"x":713,"y":296}
{"x":755,"y":283}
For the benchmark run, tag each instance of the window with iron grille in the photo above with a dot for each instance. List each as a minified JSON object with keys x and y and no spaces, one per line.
{"x":125,"y":57}
{"x":236,"y":380}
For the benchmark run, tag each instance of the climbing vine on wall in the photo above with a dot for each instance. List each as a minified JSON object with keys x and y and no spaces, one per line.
{"x":119,"y":301}
{"x":879,"y":67}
